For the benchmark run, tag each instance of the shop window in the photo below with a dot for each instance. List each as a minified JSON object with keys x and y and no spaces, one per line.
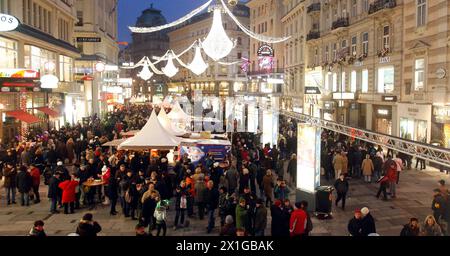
{"x":334,"y":82}
{"x":386,"y":79}
{"x":419,"y":74}
{"x":343,"y":82}
{"x":365,"y":81}
{"x":65,"y":68}
{"x":37,"y":58}
{"x":353,"y":82}
{"x":8,"y":52}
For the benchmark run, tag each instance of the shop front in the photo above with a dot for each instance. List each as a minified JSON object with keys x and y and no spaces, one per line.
{"x":382,"y":119}
{"x":440,"y":127}
{"x":415,"y":121}
{"x":329,"y":111}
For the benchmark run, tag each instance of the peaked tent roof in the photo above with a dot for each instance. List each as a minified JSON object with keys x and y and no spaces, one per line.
{"x":168,"y":125}
{"x":178,"y":113}
{"x":151,"y":136}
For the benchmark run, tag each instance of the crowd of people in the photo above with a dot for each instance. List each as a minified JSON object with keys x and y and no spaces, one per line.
{"x":241,"y":190}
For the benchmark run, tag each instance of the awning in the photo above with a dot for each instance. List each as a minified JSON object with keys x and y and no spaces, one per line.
{"x":23,"y":116}
{"x":49,"y":111}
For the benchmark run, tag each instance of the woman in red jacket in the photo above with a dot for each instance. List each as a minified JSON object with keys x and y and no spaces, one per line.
{"x":68,"y":188}
{"x":36,"y":177}
{"x":298,"y":221}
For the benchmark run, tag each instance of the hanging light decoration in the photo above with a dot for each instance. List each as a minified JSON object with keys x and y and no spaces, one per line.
{"x":145,"y":73}
{"x":170,"y":70}
{"x":198,"y":65}
{"x":217,"y":44}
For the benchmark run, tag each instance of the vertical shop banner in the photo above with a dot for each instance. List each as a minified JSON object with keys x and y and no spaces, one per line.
{"x":308,"y":158}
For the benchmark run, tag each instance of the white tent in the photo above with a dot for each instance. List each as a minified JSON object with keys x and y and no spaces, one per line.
{"x":168,"y":125}
{"x":151,"y":136}
{"x":178,"y":114}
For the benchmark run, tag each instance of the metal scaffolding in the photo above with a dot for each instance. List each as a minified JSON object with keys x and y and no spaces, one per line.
{"x":425,"y":151}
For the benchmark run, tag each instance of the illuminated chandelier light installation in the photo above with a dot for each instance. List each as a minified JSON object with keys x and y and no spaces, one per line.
{"x":217,"y":44}
{"x":170,"y":70}
{"x":145,"y":74}
{"x":198,"y":65}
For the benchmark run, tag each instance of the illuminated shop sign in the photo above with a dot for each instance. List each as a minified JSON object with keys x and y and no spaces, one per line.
{"x":19,"y":73}
{"x":8,"y":22}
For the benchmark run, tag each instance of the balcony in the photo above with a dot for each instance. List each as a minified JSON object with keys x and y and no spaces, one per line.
{"x":340,"y":23}
{"x":313,"y":35}
{"x":314,"y":7}
{"x":381,"y":4}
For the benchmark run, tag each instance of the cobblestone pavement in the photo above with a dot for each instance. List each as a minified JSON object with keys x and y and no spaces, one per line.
{"x":414,"y":196}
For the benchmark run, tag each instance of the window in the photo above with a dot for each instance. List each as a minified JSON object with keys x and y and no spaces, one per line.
{"x":80,"y":18}
{"x":353,"y":82}
{"x":354,"y":42}
{"x":316,"y":57}
{"x":365,"y":81}
{"x":386,"y":39}
{"x":419,"y":74}
{"x":365,"y":5}
{"x":334,"y":82}
{"x":386,"y":79}
{"x":334,"y":51}
{"x":343,"y":82}
{"x":328,"y":81}
{"x":365,"y":43}
{"x":65,"y":68}
{"x":327,"y":53}
{"x":354,"y":8}
{"x":421,"y":12}
{"x":36,"y":58}
{"x":344,"y":44}
{"x":8,"y":51}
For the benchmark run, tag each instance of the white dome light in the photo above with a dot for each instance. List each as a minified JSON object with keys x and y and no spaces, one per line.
{"x":170,"y":70}
{"x":145,"y":73}
{"x":49,"y":82}
{"x":217,"y":44}
{"x":198,"y":65}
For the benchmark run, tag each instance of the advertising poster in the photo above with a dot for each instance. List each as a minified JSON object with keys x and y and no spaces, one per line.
{"x":308,"y":158}
{"x":198,"y":152}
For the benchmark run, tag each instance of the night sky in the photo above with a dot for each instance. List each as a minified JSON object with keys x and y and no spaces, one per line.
{"x":130,"y":10}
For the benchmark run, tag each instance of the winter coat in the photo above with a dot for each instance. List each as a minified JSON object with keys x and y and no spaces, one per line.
{"x":160,"y":214}
{"x":392,"y":174}
{"x":232,"y":176}
{"x":260,"y":218}
{"x":36,"y":177}
{"x":434,"y":230}
{"x":268,"y":185}
{"x":228,"y":230}
{"x":408,"y":231}
{"x":338,"y":162}
{"x":292,"y":167}
{"x":298,"y":222}
{"x":368,"y":225}
{"x":24,"y":182}
{"x":68,"y":191}
{"x":367,"y":167}
{"x":200,"y":190}
{"x":241,"y":217}
{"x":148,"y":209}
{"x":354,"y":227}
{"x":53,"y":188}
{"x":276,"y":225}
{"x":212,"y":198}
{"x":281,"y":193}
{"x":88,"y":229}
{"x":439,"y":207}
{"x":34,"y":232}
{"x":70,"y":147}
{"x":10,"y":177}
{"x":179,"y":195}
{"x":341,"y":186}
{"x":113,"y":188}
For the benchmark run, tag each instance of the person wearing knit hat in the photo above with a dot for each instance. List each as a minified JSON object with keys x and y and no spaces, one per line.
{"x":355,"y":224}
{"x":367,"y":222}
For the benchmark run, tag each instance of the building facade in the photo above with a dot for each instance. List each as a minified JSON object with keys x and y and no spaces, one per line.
{"x":218,"y":80}
{"x":41,"y":45}
{"x":150,"y":45}
{"x":267,"y":61}
{"x":97,"y":69}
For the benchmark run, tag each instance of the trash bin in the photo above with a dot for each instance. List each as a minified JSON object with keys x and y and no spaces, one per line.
{"x":323,"y":199}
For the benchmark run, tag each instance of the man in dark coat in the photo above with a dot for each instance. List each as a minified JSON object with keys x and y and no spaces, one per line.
{"x":87,"y":227}
{"x":341,"y":186}
{"x":148,"y":209}
{"x":10,"y":173}
{"x":54,"y":192}
{"x":113,"y":191}
{"x":260,"y":222}
{"x":24,"y":183}
{"x":276,"y":213}
{"x":411,"y":229}
{"x":212,"y":202}
{"x":367,"y":223}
